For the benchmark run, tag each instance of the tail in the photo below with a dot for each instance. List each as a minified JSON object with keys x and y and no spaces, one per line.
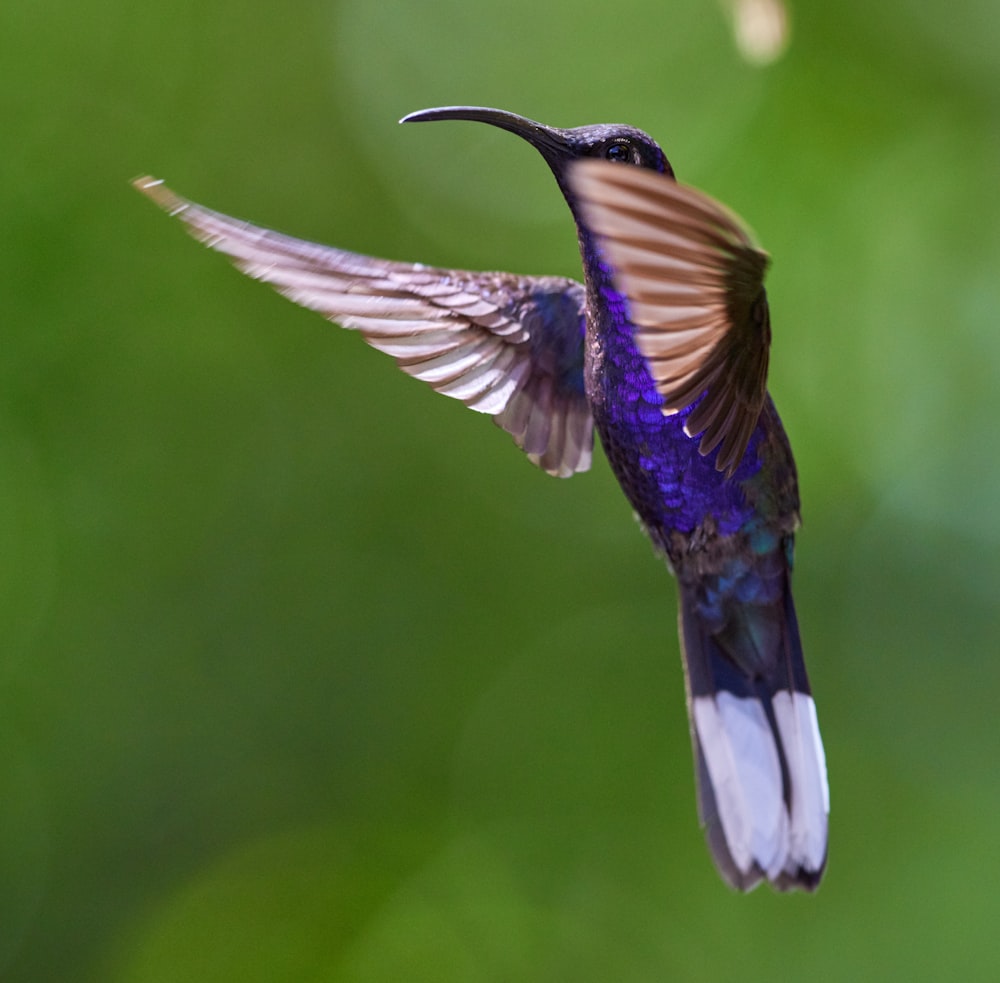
{"x":763,"y":797}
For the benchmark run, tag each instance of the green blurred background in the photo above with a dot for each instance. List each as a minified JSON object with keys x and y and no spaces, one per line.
{"x":305,"y":673}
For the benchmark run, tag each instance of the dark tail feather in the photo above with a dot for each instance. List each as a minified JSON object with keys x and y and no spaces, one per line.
{"x":761,"y":771}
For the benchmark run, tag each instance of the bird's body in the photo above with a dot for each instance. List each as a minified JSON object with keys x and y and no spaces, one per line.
{"x":729,"y":541}
{"x":670,"y":484}
{"x":665,"y":343}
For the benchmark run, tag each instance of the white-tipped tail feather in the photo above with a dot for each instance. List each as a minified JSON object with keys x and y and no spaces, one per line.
{"x":773,"y":825}
{"x":745,"y":771}
{"x":795,"y":714}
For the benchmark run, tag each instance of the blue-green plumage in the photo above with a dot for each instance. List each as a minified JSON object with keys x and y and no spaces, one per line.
{"x":663,"y":351}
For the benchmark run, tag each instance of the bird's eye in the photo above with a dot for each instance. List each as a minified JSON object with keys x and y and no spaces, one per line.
{"x":618,"y":153}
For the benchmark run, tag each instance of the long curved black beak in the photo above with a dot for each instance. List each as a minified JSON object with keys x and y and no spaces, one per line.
{"x":549,"y":141}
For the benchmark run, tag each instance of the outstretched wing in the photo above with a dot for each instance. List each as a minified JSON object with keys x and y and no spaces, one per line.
{"x":505,"y":345}
{"x":695,"y":286}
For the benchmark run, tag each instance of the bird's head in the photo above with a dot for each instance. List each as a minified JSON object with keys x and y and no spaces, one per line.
{"x":603,"y":141}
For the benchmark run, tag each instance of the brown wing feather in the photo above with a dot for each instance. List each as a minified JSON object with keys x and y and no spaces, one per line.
{"x":504,"y":345}
{"x":695,"y":286}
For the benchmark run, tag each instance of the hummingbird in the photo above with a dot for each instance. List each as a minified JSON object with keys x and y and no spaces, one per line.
{"x":663,"y":350}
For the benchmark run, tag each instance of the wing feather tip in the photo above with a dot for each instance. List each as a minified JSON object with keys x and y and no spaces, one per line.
{"x":157,"y":191}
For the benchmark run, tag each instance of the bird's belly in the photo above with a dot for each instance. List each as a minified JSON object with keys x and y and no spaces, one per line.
{"x":671,"y":486}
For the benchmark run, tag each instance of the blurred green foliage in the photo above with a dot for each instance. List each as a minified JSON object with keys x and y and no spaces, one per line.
{"x":306,"y":674}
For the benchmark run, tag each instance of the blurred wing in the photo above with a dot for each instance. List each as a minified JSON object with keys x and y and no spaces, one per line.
{"x":505,"y":345}
{"x":695,"y":286}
